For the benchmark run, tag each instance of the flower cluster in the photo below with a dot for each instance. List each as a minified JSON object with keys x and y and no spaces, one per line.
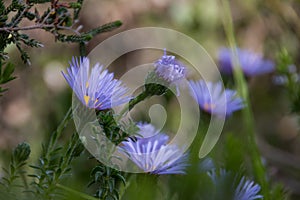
{"x":213,"y":99}
{"x":153,"y":154}
{"x":96,"y":89}
{"x":252,"y":64}
{"x":149,"y":149}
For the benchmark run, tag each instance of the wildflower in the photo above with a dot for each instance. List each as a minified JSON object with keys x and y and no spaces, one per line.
{"x":213,"y":99}
{"x":168,"y":73}
{"x":287,"y":76}
{"x":216,"y":176}
{"x":170,"y":69}
{"x":252,"y":64}
{"x":96,"y":89}
{"x":153,"y":155}
{"x":247,"y":190}
{"x":146,"y":130}
{"x":206,"y":164}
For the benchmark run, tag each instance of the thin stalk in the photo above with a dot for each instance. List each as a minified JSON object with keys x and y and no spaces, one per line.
{"x":138,"y":99}
{"x":142,"y":96}
{"x":58,"y":131}
{"x":258,"y":167}
{"x":24,"y":179}
{"x":53,"y":140}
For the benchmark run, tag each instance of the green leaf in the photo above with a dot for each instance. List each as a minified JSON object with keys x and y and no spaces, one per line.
{"x":87,"y":36}
{"x":6,"y":75}
{"x":35,"y":167}
{"x":105,"y":28}
{"x":120,"y":177}
{"x":34,"y":176}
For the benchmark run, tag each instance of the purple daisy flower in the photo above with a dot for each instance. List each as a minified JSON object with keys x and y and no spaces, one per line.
{"x":247,"y":190}
{"x":96,"y":88}
{"x":252,"y":64}
{"x":213,"y":99}
{"x":215,"y":175}
{"x":153,"y":155}
{"x":169,"y":68}
{"x":146,"y":130}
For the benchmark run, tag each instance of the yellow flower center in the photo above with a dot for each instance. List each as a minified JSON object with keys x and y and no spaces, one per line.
{"x":209,"y":106}
{"x":86,"y":99}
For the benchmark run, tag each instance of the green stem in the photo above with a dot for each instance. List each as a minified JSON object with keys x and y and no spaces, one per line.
{"x":138,"y":99}
{"x":75,"y":192}
{"x":56,"y":134}
{"x":53,"y":139}
{"x":132,"y":103}
{"x":24,"y":179}
{"x":258,"y":167}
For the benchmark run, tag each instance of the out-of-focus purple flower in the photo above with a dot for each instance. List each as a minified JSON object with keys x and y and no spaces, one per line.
{"x":96,"y":88}
{"x":292,"y":69}
{"x":169,"y":68}
{"x":283,"y":79}
{"x":280,"y":79}
{"x":206,"y":164}
{"x":252,"y":64}
{"x":146,"y":130}
{"x":247,"y":190}
{"x":215,"y":175}
{"x":153,"y":155}
{"x":288,"y":75}
{"x":213,"y":99}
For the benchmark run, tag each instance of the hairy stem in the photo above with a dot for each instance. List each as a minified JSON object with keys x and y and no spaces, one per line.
{"x":138,"y":99}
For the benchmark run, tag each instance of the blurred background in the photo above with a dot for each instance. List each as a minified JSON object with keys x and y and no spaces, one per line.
{"x":38,"y":99}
